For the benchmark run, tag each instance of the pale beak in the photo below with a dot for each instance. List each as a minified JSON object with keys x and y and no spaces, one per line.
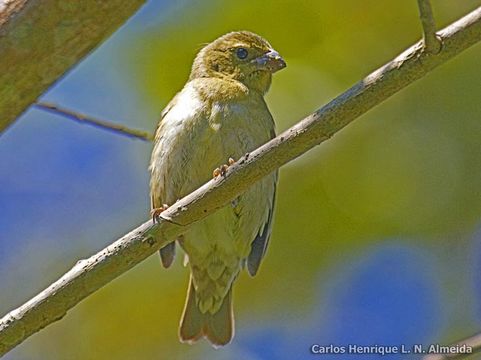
{"x":270,"y":61}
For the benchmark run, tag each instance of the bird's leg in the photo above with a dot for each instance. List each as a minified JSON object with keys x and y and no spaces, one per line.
{"x":223,"y":169}
{"x":157,"y":211}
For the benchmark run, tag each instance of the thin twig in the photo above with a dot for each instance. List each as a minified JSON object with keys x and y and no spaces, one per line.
{"x":103,"y":124}
{"x":459,"y":349}
{"x":90,"y":275}
{"x":431,"y":42}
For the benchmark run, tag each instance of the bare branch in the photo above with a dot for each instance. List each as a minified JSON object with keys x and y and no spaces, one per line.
{"x":90,"y":275}
{"x":473,"y":343}
{"x":103,"y":124}
{"x":431,"y":42}
{"x":41,"y":40}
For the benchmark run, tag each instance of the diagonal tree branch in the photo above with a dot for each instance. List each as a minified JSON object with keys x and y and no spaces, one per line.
{"x":91,"y":274}
{"x":90,"y":120}
{"x":41,"y":40}
{"x":431,"y":42}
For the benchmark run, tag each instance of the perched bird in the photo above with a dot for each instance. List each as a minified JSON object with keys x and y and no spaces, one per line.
{"x":219,"y":115}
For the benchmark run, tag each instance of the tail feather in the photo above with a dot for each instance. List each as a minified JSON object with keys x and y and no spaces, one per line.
{"x":218,"y":328}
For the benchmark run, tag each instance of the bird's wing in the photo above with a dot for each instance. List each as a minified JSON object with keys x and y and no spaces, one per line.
{"x":260,"y":243}
{"x":167,"y":253}
{"x":164,"y":112}
{"x":155,"y":195}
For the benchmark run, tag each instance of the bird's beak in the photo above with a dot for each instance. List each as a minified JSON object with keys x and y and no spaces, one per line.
{"x":270,"y":61}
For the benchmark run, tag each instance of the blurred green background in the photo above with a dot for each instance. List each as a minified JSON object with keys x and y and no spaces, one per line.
{"x":377,"y":236}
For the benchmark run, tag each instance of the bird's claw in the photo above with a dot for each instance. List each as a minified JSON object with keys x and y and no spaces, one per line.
{"x":155,"y":213}
{"x":223,"y":169}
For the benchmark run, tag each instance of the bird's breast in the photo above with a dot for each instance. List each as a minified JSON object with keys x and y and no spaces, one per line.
{"x":239,"y":126}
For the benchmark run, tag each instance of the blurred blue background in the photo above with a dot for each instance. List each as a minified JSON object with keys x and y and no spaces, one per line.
{"x":377,"y":236}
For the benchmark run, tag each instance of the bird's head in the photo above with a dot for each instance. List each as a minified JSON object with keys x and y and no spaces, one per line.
{"x":241,"y":56}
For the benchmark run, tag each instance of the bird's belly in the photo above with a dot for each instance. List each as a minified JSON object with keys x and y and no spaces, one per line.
{"x":217,"y":245}
{"x":222,"y":231}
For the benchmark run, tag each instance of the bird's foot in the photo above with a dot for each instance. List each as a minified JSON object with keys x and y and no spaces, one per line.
{"x":155,"y":213}
{"x":221,"y":171}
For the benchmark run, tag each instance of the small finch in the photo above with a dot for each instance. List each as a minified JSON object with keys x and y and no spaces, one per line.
{"x":218,"y":116}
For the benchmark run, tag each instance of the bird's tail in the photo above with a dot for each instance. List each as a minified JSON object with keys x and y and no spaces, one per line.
{"x":218,"y":328}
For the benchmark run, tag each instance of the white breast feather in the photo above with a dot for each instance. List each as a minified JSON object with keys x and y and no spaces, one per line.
{"x":174,"y":134}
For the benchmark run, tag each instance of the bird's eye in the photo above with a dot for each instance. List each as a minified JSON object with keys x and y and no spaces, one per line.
{"x":241,"y":53}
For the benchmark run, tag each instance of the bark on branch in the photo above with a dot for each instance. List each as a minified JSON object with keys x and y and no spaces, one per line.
{"x":41,"y":40}
{"x":89,"y":275}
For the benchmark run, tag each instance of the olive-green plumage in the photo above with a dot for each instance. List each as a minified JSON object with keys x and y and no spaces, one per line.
{"x":219,"y":114}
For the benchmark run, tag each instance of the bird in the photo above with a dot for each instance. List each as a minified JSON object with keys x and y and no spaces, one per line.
{"x":218,"y":116}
